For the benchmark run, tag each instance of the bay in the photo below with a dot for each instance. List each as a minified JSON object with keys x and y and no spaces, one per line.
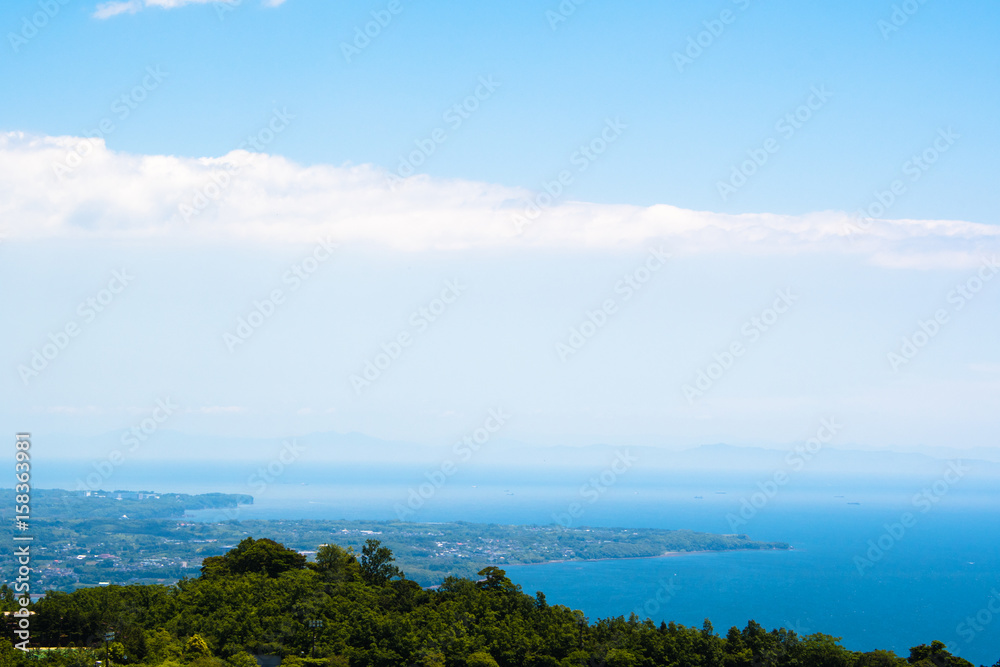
{"x":873,"y":561}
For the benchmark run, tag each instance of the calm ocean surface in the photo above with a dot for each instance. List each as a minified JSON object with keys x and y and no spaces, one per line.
{"x":928,"y":580}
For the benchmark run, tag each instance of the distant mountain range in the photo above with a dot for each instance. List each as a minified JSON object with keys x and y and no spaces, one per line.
{"x":358,"y":450}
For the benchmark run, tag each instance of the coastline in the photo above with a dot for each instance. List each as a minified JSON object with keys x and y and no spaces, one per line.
{"x":666,"y":554}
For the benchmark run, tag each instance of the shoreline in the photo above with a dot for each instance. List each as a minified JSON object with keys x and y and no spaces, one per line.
{"x":666,"y":554}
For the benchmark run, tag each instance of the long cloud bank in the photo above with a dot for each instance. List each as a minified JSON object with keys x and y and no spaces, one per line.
{"x":71,"y":187}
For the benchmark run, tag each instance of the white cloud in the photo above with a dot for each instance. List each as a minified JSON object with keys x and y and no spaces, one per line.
{"x":273,"y":200}
{"x":108,"y":9}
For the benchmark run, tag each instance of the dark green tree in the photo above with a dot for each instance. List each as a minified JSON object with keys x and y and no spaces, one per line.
{"x":935,"y":655}
{"x":261,"y":556}
{"x":241,"y":659}
{"x":880,"y":658}
{"x":7,"y":600}
{"x":495,"y":579}
{"x":619,"y":657}
{"x":376,"y":563}
{"x":336,"y":563}
{"x":196,"y":647}
{"x":481,"y":659}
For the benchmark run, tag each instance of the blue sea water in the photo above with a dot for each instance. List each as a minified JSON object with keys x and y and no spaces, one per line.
{"x":923,"y":587}
{"x":860,"y":569}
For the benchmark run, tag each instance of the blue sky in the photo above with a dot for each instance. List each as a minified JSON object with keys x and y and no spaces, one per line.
{"x":822,"y":110}
{"x":686,"y":129}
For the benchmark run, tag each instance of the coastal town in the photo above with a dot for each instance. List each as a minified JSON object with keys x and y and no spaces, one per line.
{"x":144,"y":537}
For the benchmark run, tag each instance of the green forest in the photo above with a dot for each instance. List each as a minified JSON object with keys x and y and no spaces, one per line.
{"x":358,"y":608}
